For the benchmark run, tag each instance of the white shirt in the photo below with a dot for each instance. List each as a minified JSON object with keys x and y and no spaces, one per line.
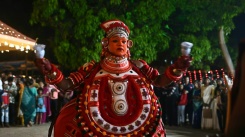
{"x":1,"y":85}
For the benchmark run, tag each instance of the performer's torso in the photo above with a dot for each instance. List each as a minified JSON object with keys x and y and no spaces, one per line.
{"x":119,"y":104}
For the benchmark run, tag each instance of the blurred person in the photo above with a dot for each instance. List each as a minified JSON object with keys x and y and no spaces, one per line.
{"x":53,"y":95}
{"x":1,"y":92}
{"x":161,"y":94}
{"x":197,"y":105}
{"x":28,"y":102}
{"x":221,"y":94}
{"x":41,"y":83}
{"x":4,"y":77}
{"x":47,"y":114}
{"x":1,"y":84}
{"x":182,"y":104}
{"x":40,"y":106}
{"x":12,"y":92}
{"x":35,"y":83}
{"x":209,"y":101}
{"x":5,"y":109}
{"x":189,"y":106}
{"x":20,"y":86}
{"x":172,"y":104}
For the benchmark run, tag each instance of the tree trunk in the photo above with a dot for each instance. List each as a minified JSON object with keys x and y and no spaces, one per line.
{"x":231,"y":70}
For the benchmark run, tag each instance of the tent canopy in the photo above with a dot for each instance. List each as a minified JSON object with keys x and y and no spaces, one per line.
{"x":17,"y":65}
{"x":11,"y":39}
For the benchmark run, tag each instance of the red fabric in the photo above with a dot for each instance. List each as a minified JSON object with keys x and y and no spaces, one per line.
{"x":65,"y":124}
{"x":110,"y":24}
{"x":68,"y":120}
{"x":133,"y":99}
{"x":183,"y":99}
{"x":5,"y":98}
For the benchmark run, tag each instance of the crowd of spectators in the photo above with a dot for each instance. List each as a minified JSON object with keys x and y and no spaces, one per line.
{"x":201,"y":104}
{"x":25,"y":101}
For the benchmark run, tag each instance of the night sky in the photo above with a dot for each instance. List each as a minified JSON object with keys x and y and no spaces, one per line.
{"x":16,"y":13}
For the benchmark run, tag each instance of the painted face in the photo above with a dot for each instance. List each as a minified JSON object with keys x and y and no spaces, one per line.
{"x":118,"y":46}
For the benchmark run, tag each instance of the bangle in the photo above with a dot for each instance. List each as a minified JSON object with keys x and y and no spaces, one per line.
{"x":171,"y":76}
{"x":54,"y":81}
{"x":55,"y":77}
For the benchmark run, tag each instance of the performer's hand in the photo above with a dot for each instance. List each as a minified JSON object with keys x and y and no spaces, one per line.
{"x":182,"y":63}
{"x":43,"y":65}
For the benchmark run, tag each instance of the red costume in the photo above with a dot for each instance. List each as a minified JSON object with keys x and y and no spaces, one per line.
{"x":116,"y":96}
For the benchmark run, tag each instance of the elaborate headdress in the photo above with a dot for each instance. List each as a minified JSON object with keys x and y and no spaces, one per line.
{"x":115,"y":27}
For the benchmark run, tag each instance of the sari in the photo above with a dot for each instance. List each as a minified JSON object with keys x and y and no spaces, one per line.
{"x":19,"y":111}
{"x":46,"y":99}
{"x":28,"y":104}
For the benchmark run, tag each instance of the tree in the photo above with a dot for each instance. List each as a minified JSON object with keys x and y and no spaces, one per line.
{"x":156,"y":26}
{"x":77,"y":33}
{"x":200,"y":22}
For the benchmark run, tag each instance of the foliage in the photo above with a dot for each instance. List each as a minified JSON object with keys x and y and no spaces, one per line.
{"x":77,"y":33}
{"x":156,"y":27}
{"x":199,"y":21}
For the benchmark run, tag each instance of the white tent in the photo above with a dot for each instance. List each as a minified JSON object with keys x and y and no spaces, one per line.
{"x":11,"y":39}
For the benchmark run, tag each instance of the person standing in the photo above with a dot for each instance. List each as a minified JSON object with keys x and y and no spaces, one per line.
{"x":1,"y":92}
{"x":12,"y":91}
{"x":40,"y":106}
{"x":209,"y":101}
{"x":172,"y":104}
{"x":188,"y":87}
{"x":161,"y":94}
{"x":181,"y":105}
{"x":117,"y":97}
{"x":221,"y":95}
{"x":53,"y":95}
{"x":5,"y":109}
{"x":47,"y":114}
{"x":28,"y":102}
{"x":197,"y":105}
{"x":20,"y":116}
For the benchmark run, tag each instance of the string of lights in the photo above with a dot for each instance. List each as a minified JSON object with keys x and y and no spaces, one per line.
{"x":11,"y":39}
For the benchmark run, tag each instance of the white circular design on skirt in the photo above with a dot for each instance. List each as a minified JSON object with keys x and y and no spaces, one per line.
{"x":120,"y":107}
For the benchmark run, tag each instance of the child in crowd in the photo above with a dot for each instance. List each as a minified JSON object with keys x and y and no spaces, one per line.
{"x":40,"y":106}
{"x":5,"y":107}
{"x":182,"y":104}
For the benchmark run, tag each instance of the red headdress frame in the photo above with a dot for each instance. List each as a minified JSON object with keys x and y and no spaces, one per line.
{"x":112,"y":27}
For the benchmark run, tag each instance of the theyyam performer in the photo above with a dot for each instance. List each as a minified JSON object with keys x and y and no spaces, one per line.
{"x":116,"y":97}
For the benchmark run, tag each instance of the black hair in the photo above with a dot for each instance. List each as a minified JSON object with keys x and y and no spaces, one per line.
{"x":28,"y":81}
{"x":10,"y":79}
{"x":40,"y":89}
